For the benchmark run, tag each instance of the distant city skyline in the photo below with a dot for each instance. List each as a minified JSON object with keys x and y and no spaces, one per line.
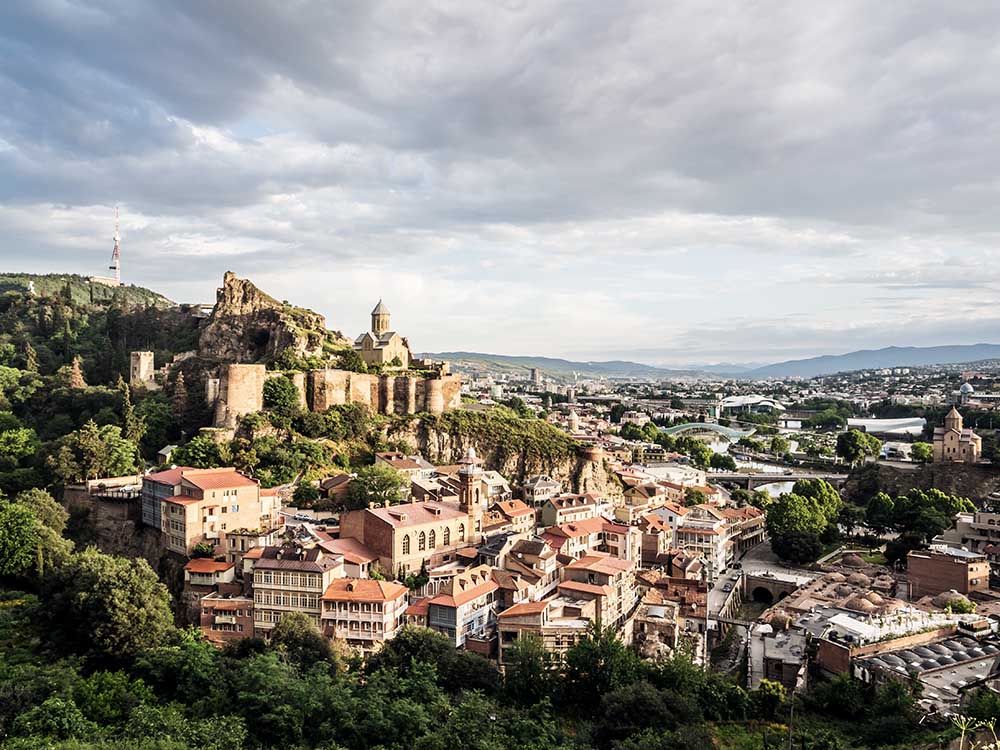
{"x":665,"y":184}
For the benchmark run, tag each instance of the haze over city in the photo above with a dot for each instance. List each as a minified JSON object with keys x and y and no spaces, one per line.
{"x":668,"y":184}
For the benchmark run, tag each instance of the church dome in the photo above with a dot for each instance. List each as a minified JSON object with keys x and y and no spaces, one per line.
{"x":967,"y":389}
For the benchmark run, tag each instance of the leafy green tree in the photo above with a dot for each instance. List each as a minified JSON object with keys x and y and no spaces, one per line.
{"x":200,"y":452}
{"x":722,"y":461}
{"x":281,"y":396}
{"x":880,"y":513}
{"x":19,"y":539}
{"x":639,"y":706}
{"x":92,"y":452}
{"x":306,"y":495}
{"x":617,"y":411}
{"x":203,"y":550}
{"x":768,"y":699}
{"x":376,"y":485}
{"x":922,"y":452}
{"x":299,"y":641}
{"x":797,"y":546}
{"x":780,"y":445}
{"x":855,"y":446}
{"x":351,"y":360}
{"x":55,"y":719}
{"x":109,"y":607}
{"x":596,"y":665}
{"x":528,"y":674}
{"x":694,"y":497}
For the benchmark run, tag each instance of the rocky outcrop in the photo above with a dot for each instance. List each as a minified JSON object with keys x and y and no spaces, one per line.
{"x":975,"y":482}
{"x":248,"y":325}
{"x":579,"y":470}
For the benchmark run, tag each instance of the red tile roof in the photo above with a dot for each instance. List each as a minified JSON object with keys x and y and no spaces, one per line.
{"x":586,"y":588}
{"x":515,"y":508}
{"x":414,"y":514}
{"x":352,"y":550}
{"x":207,"y":565}
{"x":363,"y":590}
{"x":602,"y":563}
{"x":169,"y":476}
{"x":524,"y":608}
{"x":217,"y":479}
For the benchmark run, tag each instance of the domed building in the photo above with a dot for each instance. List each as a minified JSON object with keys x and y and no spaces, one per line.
{"x":954,"y":443}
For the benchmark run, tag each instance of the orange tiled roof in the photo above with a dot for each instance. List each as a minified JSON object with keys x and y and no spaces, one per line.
{"x":362,"y":590}
{"x":207,"y":565}
{"x":524,"y":608}
{"x":217,"y":479}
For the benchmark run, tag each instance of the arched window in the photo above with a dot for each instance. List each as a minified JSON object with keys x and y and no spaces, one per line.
{"x":406,"y":544}
{"x":477,"y":496}
{"x":461,"y":532}
{"x":446,"y":536}
{"x":422,"y":541}
{"x":432,"y":539}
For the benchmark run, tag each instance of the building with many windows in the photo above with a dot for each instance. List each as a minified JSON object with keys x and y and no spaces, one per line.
{"x":291,"y":578}
{"x":466,"y":606}
{"x":189,"y":506}
{"x":363,"y":612}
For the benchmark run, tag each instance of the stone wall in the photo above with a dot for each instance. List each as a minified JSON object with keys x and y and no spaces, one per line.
{"x":239,"y":390}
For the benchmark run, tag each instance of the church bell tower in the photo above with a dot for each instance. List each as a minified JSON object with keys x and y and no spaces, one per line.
{"x":380,"y":319}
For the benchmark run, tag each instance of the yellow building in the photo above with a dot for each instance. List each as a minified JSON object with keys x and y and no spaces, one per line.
{"x":953,"y":443}
{"x":380,"y":346}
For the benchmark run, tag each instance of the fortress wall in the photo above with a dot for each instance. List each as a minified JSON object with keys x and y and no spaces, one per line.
{"x":241,"y":391}
{"x":451,"y":387}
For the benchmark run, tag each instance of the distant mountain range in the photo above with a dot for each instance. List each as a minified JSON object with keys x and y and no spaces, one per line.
{"x":867,"y":359}
{"x":559,"y":368}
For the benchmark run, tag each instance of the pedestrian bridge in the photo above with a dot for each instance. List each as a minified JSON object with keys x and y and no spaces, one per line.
{"x":730,"y":433}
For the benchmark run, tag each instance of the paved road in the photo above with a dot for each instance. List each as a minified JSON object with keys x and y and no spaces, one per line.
{"x":759,"y":560}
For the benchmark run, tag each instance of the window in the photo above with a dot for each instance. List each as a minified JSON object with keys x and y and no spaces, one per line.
{"x":422,"y":541}
{"x":235,"y":508}
{"x":406,"y":544}
{"x":446,"y":536}
{"x":432,"y":539}
{"x":223,"y":508}
{"x":461,"y":532}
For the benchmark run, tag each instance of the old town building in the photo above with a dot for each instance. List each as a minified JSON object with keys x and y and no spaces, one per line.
{"x":363,"y":612}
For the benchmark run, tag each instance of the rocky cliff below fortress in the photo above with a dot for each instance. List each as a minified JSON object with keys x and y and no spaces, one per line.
{"x":248,"y":325}
{"x":975,"y":482}
{"x":517,"y":448}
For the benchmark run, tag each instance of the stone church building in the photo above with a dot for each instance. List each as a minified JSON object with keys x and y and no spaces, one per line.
{"x":381,"y":346}
{"x":953,"y":443}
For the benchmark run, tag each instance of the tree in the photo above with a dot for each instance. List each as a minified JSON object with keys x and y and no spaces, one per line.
{"x":854,"y":446}
{"x":922,"y":452}
{"x":76,"y":373}
{"x":596,"y":665}
{"x":281,"y":396}
{"x":103,"y":606}
{"x":92,"y":452}
{"x":880,"y":513}
{"x":297,"y":638}
{"x":30,"y":357}
{"x":528,"y":675}
{"x":780,"y":445}
{"x":306,"y":495}
{"x":133,"y":425}
{"x":203,"y":549}
{"x":376,"y":485}
{"x":797,"y":546}
{"x":19,"y":538}
{"x":200,"y":452}
{"x":722,"y":461}
{"x":617,"y":410}
{"x":694,"y":497}
{"x":351,"y":360}
{"x":179,"y":399}
{"x":768,"y":699}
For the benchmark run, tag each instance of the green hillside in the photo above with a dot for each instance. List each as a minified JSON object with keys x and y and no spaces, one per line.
{"x":81,"y":290}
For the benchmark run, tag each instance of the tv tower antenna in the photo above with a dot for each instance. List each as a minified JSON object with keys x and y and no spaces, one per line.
{"x":116,"y":257}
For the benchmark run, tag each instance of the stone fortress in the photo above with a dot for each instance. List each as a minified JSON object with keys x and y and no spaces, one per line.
{"x":247,"y":325}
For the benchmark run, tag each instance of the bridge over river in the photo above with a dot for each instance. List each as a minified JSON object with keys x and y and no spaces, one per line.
{"x":752,"y":480}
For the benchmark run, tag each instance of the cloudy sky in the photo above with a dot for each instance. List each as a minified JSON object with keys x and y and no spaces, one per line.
{"x":669,"y":182}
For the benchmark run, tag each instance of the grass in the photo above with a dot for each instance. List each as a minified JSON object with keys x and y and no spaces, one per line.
{"x":875,"y":558}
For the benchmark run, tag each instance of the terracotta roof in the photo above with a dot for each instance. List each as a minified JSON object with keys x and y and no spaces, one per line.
{"x":169,"y":476}
{"x":253,"y":553}
{"x":363,"y":590}
{"x":207,"y":565}
{"x":419,"y":607}
{"x":182,"y":499}
{"x":514,"y":508}
{"x":586,"y":588}
{"x":217,"y":479}
{"x":574,"y":501}
{"x":352,"y":550}
{"x":602,"y":563}
{"x":415,"y":514}
{"x":524,"y":608}
{"x":466,"y":586}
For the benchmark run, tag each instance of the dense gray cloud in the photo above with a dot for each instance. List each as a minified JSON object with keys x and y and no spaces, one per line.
{"x":682,"y":181}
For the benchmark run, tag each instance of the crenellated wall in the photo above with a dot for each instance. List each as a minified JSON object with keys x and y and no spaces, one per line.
{"x":240,"y":391}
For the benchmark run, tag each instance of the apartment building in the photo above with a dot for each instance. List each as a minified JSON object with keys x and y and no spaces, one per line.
{"x":226,"y":618}
{"x":568,"y":509}
{"x":189,"y":506}
{"x":291,"y":578}
{"x":933,"y":571}
{"x":611,"y":582}
{"x":540,"y":488}
{"x":363,"y":612}
{"x":595,"y":535}
{"x":466,"y":606}
{"x":560,"y":623}
{"x":704,"y":532}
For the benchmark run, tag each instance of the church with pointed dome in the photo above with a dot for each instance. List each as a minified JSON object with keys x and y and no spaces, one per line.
{"x":381,"y":345}
{"x":955,"y":443}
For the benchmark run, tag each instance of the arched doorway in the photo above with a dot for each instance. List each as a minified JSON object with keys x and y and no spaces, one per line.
{"x":762,"y":595}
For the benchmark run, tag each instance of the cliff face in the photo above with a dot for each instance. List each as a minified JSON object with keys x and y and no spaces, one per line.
{"x":972,"y":481}
{"x":577,"y":472}
{"x":248,"y":325}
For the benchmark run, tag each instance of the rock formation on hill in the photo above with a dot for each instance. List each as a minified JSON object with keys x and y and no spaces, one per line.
{"x":248,"y":325}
